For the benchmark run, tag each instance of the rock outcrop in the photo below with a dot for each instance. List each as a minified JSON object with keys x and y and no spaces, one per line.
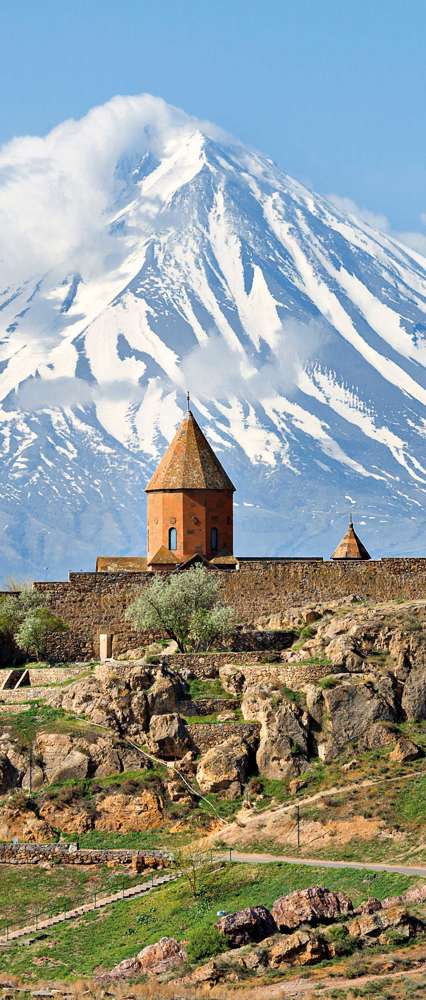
{"x":225,"y":768}
{"x":368,"y":926}
{"x":251,"y":924}
{"x":313,"y":906}
{"x":163,"y":956}
{"x":123,"y":697}
{"x":168,"y":736}
{"x":303,"y":947}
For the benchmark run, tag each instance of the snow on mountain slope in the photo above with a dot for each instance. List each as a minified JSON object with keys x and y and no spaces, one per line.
{"x":300,"y":332}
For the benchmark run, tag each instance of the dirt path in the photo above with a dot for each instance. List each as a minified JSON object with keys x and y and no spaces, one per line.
{"x":267,"y":859}
{"x":321,"y":987}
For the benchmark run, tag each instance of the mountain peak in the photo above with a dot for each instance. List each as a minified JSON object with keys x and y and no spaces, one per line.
{"x":159,"y":252}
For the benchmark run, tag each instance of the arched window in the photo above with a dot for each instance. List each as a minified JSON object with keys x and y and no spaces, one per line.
{"x":172,"y":539}
{"x":213,"y":539}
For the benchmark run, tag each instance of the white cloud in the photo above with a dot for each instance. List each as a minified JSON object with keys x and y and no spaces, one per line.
{"x":232,"y":373}
{"x":55,"y":191}
{"x":41,"y":394}
{"x":415,"y":240}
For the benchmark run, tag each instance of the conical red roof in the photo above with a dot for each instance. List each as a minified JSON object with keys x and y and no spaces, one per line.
{"x":189,"y":463}
{"x":351,"y":546}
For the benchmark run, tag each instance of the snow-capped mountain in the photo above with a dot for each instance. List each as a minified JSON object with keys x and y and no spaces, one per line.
{"x":300,"y":332}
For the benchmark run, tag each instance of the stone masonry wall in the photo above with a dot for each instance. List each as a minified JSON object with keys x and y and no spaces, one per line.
{"x":260,"y":589}
{"x":34,"y":854}
{"x":205,"y":735}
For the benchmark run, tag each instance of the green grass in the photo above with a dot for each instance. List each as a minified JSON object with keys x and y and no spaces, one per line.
{"x":108,"y":936}
{"x":26,"y":723}
{"x":199,"y":720}
{"x":207,"y":689}
{"x":315,"y":661}
{"x":148,"y":840}
{"x":330,"y":681}
{"x":26,"y":891}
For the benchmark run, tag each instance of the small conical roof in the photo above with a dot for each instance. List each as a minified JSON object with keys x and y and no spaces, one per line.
{"x":351,"y":546}
{"x":189,"y":463}
{"x":163,"y":557}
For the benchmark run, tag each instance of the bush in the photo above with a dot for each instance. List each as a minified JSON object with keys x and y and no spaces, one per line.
{"x":328,"y":682}
{"x":29,"y":623}
{"x":35,"y":630}
{"x":204,"y":942}
{"x":186,"y":606}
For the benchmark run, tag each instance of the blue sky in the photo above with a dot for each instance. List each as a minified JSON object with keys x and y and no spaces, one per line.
{"x":333,"y":90}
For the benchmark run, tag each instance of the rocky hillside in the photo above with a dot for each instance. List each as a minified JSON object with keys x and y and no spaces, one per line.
{"x":136,"y":746}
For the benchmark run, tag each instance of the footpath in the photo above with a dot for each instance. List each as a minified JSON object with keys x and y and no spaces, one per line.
{"x":97,"y":903}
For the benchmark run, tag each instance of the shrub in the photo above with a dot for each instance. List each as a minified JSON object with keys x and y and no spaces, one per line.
{"x":204,"y":943}
{"x":294,"y":696}
{"x":35,"y":630}
{"x":327,"y":682}
{"x":30,"y":624}
{"x":186,"y":606}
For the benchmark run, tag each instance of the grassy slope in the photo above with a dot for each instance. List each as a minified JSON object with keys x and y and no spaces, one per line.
{"x":105,"y":937}
{"x":26,"y":891}
{"x":398,"y":799}
{"x":30,"y":719}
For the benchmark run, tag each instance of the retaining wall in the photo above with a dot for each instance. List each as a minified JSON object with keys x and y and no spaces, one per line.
{"x":34,"y":854}
{"x":206,"y":735}
{"x":260,"y":590}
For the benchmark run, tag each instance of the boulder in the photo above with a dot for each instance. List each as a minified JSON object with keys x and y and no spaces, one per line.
{"x":229,"y":966}
{"x":224,"y":768}
{"x":35,"y":778}
{"x":414,"y":694}
{"x":166,"y":954}
{"x":123,"y":813}
{"x":374,"y":925}
{"x":313,"y":906}
{"x":232,"y":678}
{"x":350,"y":707}
{"x":168,"y":736}
{"x":378,"y":735}
{"x":163,"y":956}
{"x":165,"y":694}
{"x":303,"y":947}
{"x":370,"y":905}
{"x":74,"y":765}
{"x":60,"y":758}
{"x":404,"y":751}
{"x":251,"y":924}
{"x":283,"y":745}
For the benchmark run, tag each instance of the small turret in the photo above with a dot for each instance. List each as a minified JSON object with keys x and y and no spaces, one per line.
{"x":351,"y":547}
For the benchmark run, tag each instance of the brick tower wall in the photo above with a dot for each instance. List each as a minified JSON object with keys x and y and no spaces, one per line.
{"x":193,"y":513}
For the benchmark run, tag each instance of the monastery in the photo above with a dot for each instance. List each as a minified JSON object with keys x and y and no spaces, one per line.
{"x":190,"y":512}
{"x":189,"y":521}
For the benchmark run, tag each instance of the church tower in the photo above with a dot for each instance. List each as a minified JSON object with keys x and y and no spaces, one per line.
{"x":351,"y":546}
{"x":189,"y":501}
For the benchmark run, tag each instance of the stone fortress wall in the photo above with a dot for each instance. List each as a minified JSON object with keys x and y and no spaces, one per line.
{"x":260,"y":590}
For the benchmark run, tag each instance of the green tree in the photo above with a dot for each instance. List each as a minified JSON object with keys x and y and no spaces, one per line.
{"x":35,"y":630}
{"x":13,"y":610}
{"x":187,"y":606}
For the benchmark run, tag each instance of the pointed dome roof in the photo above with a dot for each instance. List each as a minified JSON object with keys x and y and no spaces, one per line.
{"x":189,"y":463}
{"x":351,"y":546}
